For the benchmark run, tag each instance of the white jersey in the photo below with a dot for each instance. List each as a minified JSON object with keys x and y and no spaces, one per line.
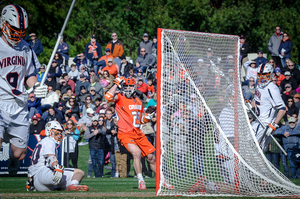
{"x":40,"y":154}
{"x":267,"y":102}
{"x":16,"y":65}
{"x":226,"y":120}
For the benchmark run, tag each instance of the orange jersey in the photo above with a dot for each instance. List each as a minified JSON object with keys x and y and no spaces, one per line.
{"x":129,"y":112}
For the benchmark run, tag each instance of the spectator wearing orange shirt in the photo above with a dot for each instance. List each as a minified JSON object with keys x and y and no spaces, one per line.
{"x":103,"y":60}
{"x":279,"y":76}
{"x":111,"y":68}
{"x":141,"y":86}
{"x":116,"y":48}
{"x":151,"y":89}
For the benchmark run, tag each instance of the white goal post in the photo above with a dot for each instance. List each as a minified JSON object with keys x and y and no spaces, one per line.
{"x":205,"y":143}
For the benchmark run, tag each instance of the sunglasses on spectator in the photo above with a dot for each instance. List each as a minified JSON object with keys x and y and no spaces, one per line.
{"x":251,"y":80}
{"x":93,"y":90}
{"x":101,"y":120}
{"x":42,"y":68}
{"x":143,"y":51}
{"x":291,"y":65}
{"x":50,"y":89}
{"x":288,"y":87}
{"x":290,"y":101}
{"x":271,"y":62}
{"x":88,"y":98}
{"x":114,"y":35}
{"x":277,"y":28}
{"x":296,"y":98}
{"x":69,"y":123}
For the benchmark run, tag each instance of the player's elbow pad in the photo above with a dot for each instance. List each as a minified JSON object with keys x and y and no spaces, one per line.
{"x":109,"y":97}
{"x":51,"y":160}
{"x":144,"y":120}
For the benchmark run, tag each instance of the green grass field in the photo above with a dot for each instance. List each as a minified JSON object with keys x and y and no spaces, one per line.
{"x":14,"y":187}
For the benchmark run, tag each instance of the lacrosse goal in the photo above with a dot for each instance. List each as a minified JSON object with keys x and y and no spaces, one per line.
{"x":205,"y":144}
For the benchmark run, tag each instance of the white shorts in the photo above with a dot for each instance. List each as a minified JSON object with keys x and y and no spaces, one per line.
{"x":259,"y":132}
{"x":14,"y":129}
{"x":42,"y":180}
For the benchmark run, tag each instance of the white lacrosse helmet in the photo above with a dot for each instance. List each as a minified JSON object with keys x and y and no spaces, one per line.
{"x":264,"y":74}
{"x":14,"y":23}
{"x":55,"y":131}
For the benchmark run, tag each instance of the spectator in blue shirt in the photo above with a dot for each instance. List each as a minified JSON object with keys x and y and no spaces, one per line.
{"x":93,"y":50}
{"x":260,"y":58}
{"x":35,"y":43}
{"x":63,"y":49}
{"x":80,"y":59}
{"x":290,"y":138}
{"x":285,"y":48}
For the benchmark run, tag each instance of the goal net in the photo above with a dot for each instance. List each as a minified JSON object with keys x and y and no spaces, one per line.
{"x":205,"y":144}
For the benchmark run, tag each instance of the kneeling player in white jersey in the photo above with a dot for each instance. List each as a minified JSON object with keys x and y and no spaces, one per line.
{"x":268,"y":104}
{"x":17,"y":65}
{"x":45,"y":174}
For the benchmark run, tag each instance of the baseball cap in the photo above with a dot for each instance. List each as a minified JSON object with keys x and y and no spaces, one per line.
{"x":49,"y":75}
{"x":82,"y":87}
{"x":110,"y":60}
{"x":95,"y":118}
{"x":145,"y":35}
{"x":60,"y":104}
{"x":107,"y":50}
{"x":277,"y":70}
{"x":242,"y":37}
{"x":292,"y":119}
{"x":287,"y":73}
{"x":90,"y":110}
{"x":102,"y":111}
{"x":297,"y":96}
{"x":31,"y":95}
{"x":287,"y":85}
{"x":82,"y":76}
{"x":93,"y":36}
{"x":82,"y":66}
{"x":209,"y":49}
{"x":35,"y":117}
{"x":92,"y":89}
{"x":54,"y":60}
{"x":140,"y":70}
{"x":200,"y":61}
{"x":230,"y":70}
{"x":259,"y":51}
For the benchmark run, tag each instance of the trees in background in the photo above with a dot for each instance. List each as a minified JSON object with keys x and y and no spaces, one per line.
{"x":131,"y":18}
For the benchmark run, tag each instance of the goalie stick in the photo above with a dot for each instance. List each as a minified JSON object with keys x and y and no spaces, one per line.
{"x":56,"y":45}
{"x":249,"y":107}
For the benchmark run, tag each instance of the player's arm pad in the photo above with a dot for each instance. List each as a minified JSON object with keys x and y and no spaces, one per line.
{"x":52,"y":161}
{"x":109,"y":97}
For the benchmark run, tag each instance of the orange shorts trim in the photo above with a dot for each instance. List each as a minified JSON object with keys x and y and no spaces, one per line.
{"x":136,"y":137}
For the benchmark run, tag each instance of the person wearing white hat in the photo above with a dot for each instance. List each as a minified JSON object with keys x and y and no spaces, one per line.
{"x":86,"y":120}
{"x":290,"y":138}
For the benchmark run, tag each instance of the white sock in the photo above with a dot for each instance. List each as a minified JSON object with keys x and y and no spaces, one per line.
{"x":75,"y":182}
{"x":117,"y":175}
{"x":140,"y":177}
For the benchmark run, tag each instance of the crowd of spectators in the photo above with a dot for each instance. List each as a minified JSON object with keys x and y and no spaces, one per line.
{"x":76,"y":95}
{"x":76,"y":99}
{"x":286,"y":76}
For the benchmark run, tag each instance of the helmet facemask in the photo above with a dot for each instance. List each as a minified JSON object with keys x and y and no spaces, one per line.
{"x":264,"y":78}
{"x":128,"y":90}
{"x":12,"y":34}
{"x":57,"y":135}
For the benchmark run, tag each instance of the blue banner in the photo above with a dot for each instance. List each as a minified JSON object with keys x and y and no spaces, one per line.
{"x":8,"y":165}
